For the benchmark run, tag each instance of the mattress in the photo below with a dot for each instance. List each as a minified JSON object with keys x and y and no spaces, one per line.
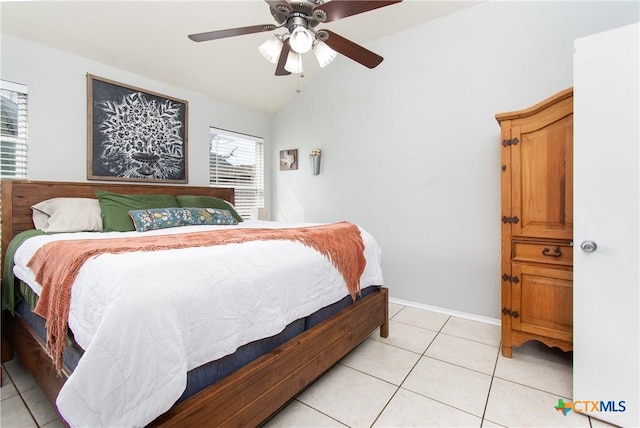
{"x":265,"y":293}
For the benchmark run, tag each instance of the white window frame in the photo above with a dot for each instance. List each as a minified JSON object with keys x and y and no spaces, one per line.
{"x":15,"y":165}
{"x":237,"y":160}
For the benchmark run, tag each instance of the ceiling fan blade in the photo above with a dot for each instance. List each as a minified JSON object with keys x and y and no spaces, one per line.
{"x":338,"y":9}
{"x":352,"y":50}
{"x":284,"y":53}
{"x":231,"y":32}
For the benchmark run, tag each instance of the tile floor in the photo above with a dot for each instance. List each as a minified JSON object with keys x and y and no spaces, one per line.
{"x":433,"y":370}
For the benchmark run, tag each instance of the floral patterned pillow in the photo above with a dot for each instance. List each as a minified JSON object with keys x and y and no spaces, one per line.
{"x":195,"y":216}
{"x":162,"y":218}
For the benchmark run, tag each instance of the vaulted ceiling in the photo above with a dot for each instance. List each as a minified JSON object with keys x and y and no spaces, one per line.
{"x":149,"y":38}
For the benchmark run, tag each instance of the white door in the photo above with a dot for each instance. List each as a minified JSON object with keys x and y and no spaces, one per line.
{"x":606,"y":211}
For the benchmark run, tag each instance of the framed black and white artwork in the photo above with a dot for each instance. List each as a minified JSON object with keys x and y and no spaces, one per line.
{"x":134,"y":135}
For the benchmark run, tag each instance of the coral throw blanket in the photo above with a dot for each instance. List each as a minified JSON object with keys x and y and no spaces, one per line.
{"x":56,"y":264}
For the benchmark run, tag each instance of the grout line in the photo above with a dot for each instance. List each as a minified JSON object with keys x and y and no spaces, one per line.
{"x":533,"y":387}
{"x":443,"y":403}
{"x":493,"y":376}
{"x":458,"y":365}
{"x":470,"y":340}
{"x":385,"y":406}
{"x":424,"y":353}
{"x":420,"y":356}
{"x":321,"y":412}
{"x":21,"y":397}
{"x":404,"y":349}
{"x":417,"y":326}
{"x":431,"y":398}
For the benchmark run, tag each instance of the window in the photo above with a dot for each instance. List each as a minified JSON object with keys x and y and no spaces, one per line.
{"x":237,"y":160}
{"x":13,"y":130}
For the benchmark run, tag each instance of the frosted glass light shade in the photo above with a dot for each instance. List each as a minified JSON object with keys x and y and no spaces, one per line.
{"x":301,"y":40}
{"x":324,"y":54}
{"x":294,"y":63}
{"x":271,"y":49}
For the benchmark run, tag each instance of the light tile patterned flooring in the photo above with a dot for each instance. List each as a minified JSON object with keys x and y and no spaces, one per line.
{"x":433,"y":370}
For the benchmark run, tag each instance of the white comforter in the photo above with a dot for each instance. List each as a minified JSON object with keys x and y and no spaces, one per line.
{"x":145,"y":318}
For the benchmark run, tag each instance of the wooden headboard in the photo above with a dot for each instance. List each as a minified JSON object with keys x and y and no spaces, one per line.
{"x":18,"y":196}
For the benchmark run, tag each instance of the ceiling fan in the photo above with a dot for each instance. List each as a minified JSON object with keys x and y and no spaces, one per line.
{"x":300,"y":17}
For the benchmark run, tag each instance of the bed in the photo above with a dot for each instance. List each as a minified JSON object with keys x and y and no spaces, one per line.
{"x":247,"y":396}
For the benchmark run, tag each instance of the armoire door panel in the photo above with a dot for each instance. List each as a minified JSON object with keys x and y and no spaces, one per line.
{"x":542,"y":174}
{"x":543,"y":299}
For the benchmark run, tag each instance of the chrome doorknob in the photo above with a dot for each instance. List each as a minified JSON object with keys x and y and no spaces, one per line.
{"x":588,"y":246}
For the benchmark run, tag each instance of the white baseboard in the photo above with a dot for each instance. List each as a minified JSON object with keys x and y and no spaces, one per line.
{"x":445,"y":311}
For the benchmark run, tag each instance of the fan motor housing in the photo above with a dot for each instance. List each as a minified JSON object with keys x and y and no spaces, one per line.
{"x":300,"y":10}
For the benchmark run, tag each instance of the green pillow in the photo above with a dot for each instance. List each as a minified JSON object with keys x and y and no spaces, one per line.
{"x":115,"y":208}
{"x":190,"y":201}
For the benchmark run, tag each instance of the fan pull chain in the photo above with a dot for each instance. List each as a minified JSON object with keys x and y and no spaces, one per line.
{"x":298,"y":90}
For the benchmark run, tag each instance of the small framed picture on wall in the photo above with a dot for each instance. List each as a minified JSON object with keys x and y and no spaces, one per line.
{"x":288,"y":159}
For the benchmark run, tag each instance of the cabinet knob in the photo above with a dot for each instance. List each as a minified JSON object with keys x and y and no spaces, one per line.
{"x":588,"y":246}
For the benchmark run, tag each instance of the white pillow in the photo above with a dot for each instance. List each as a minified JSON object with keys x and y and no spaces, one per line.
{"x":67,"y":215}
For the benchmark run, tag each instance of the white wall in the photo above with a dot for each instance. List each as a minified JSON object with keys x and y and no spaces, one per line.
{"x":57,"y":108}
{"x":411,"y":149}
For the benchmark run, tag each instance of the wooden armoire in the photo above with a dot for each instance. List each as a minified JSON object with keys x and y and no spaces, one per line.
{"x":537,"y":223}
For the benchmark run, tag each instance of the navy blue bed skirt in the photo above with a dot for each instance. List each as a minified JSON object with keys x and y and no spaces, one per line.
{"x":207,"y":374}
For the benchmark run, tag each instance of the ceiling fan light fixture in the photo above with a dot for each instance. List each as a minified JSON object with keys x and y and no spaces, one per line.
{"x":300,"y":19}
{"x":324,"y":54}
{"x":301,"y":40}
{"x":271,"y":49}
{"x":294,"y":63}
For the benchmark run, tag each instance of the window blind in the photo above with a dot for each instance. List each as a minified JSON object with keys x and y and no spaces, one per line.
{"x":237,"y":160}
{"x":13,"y":130}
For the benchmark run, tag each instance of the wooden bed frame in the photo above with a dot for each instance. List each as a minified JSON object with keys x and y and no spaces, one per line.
{"x":247,"y":397}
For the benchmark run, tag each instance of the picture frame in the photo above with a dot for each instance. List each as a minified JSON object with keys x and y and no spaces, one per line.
{"x":134,"y":134}
{"x":288,"y":159}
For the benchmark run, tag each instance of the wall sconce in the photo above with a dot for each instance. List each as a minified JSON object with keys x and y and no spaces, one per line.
{"x":315,"y":156}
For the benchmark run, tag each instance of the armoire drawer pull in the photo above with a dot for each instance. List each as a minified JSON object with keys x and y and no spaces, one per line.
{"x":556,"y":252}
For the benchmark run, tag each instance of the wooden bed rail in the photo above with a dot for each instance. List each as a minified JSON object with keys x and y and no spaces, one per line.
{"x":249,"y":396}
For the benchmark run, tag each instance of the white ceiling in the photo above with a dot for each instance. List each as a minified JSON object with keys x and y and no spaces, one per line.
{"x":149,"y":38}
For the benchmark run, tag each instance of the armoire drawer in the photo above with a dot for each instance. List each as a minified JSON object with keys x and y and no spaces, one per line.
{"x":543,"y":252}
